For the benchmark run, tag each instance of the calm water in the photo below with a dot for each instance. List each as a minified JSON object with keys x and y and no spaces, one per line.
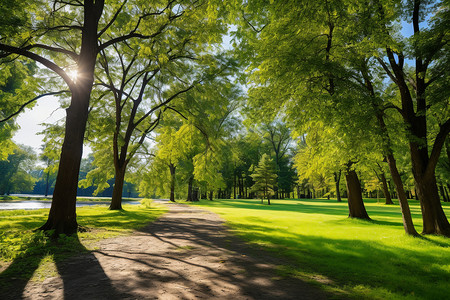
{"x":36,"y":204}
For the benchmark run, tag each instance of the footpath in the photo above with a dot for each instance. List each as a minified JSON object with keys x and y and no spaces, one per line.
{"x":186,"y":254}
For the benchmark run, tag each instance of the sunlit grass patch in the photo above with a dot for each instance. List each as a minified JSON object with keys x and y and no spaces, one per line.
{"x":366,"y":259}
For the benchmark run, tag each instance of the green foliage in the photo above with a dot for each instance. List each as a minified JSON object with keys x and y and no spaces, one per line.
{"x":15,"y":174}
{"x":358,"y":259}
{"x":265,"y":177}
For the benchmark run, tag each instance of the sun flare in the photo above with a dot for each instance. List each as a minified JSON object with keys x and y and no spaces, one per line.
{"x":73,"y":74}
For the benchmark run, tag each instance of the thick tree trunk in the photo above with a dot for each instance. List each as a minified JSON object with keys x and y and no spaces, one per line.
{"x":386,"y":192}
{"x":434,"y":219}
{"x":119,"y":180}
{"x":172,"y":168}
{"x":195,"y":194}
{"x":337,"y":180}
{"x":355,"y":202}
{"x":62,"y":215}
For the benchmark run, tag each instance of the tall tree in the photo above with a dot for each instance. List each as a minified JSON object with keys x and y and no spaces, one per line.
{"x":428,"y":48}
{"x":67,"y":36}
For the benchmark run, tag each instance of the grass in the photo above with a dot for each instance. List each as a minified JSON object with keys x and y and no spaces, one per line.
{"x":360,"y":259}
{"x":26,"y":254}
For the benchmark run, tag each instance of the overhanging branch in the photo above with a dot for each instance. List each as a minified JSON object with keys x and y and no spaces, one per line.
{"x":31,"y":101}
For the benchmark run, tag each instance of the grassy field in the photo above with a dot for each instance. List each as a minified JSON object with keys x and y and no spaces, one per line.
{"x":30,"y":255}
{"x":362,"y":259}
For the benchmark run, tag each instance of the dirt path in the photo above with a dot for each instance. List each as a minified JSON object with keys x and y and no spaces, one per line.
{"x":187,"y":254}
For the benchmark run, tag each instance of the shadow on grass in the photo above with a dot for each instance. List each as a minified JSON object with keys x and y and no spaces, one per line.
{"x":378,"y":212}
{"x":15,"y":278}
{"x":73,"y":270}
{"x":368,"y":265}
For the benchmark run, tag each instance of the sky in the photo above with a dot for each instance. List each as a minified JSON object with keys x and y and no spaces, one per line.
{"x":47,"y":110}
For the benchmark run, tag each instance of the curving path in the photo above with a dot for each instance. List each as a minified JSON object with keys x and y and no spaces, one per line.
{"x":187,"y":254}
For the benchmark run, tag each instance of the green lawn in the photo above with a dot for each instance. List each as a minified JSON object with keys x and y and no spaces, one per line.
{"x":366,"y":260}
{"x":31,"y":255}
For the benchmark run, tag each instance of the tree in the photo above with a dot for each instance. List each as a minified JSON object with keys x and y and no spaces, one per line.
{"x":67,"y":36}
{"x":429,"y":51}
{"x":15,"y":86}
{"x":15,"y":174}
{"x":313,"y":73}
{"x":265,"y":178}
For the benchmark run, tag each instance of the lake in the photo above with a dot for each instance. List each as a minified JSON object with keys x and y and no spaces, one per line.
{"x":36,"y":204}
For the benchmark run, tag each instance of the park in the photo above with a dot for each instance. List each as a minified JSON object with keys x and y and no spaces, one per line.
{"x":225,"y":149}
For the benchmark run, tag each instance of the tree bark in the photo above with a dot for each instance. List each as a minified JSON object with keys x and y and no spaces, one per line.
{"x":434,"y":219}
{"x":195,"y":194}
{"x":408,"y":224}
{"x":119,"y":179}
{"x":62,"y":215}
{"x":355,"y":202}
{"x":414,"y":113}
{"x":337,"y":180}
{"x":444,"y":195}
{"x":446,"y":191}
{"x":172,"y":168}
{"x":190,"y":196}
{"x":386,"y":192}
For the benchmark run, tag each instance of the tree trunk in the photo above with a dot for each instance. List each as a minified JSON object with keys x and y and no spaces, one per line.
{"x":119,"y":180}
{"x":337,"y":180}
{"x":386,"y":192}
{"x":444,"y":196}
{"x":355,"y":202}
{"x":446,"y":191}
{"x":172,"y":168}
{"x":404,"y":205}
{"x":190,"y":196}
{"x":62,"y":215}
{"x":234,"y":184}
{"x":434,"y":219}
{"x":46,"y":183}
{"x":195,"y":194}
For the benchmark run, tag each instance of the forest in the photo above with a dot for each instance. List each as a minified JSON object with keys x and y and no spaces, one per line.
{"x":343,"y":100}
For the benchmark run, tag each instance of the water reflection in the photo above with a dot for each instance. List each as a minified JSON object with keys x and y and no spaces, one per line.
{"x":36,"y":204}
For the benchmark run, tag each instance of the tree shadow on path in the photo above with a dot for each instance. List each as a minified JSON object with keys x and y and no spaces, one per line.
{"x":190,"y":254}
{"x":73,"y":273}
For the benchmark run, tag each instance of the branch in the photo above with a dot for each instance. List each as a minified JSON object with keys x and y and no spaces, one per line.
{"x":73,"y":55}
{"x":175,"y":110}
{"x":164,"y":103}
{"x":253,"y":27}
{"x":386,"y":69}
{"x":47,"y":63}
{"x":129,"y":36}
{"x":390,"y":105}
{"x":444,"y":130}
{"x":112,"y":20}
{"x":30,"y":101}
